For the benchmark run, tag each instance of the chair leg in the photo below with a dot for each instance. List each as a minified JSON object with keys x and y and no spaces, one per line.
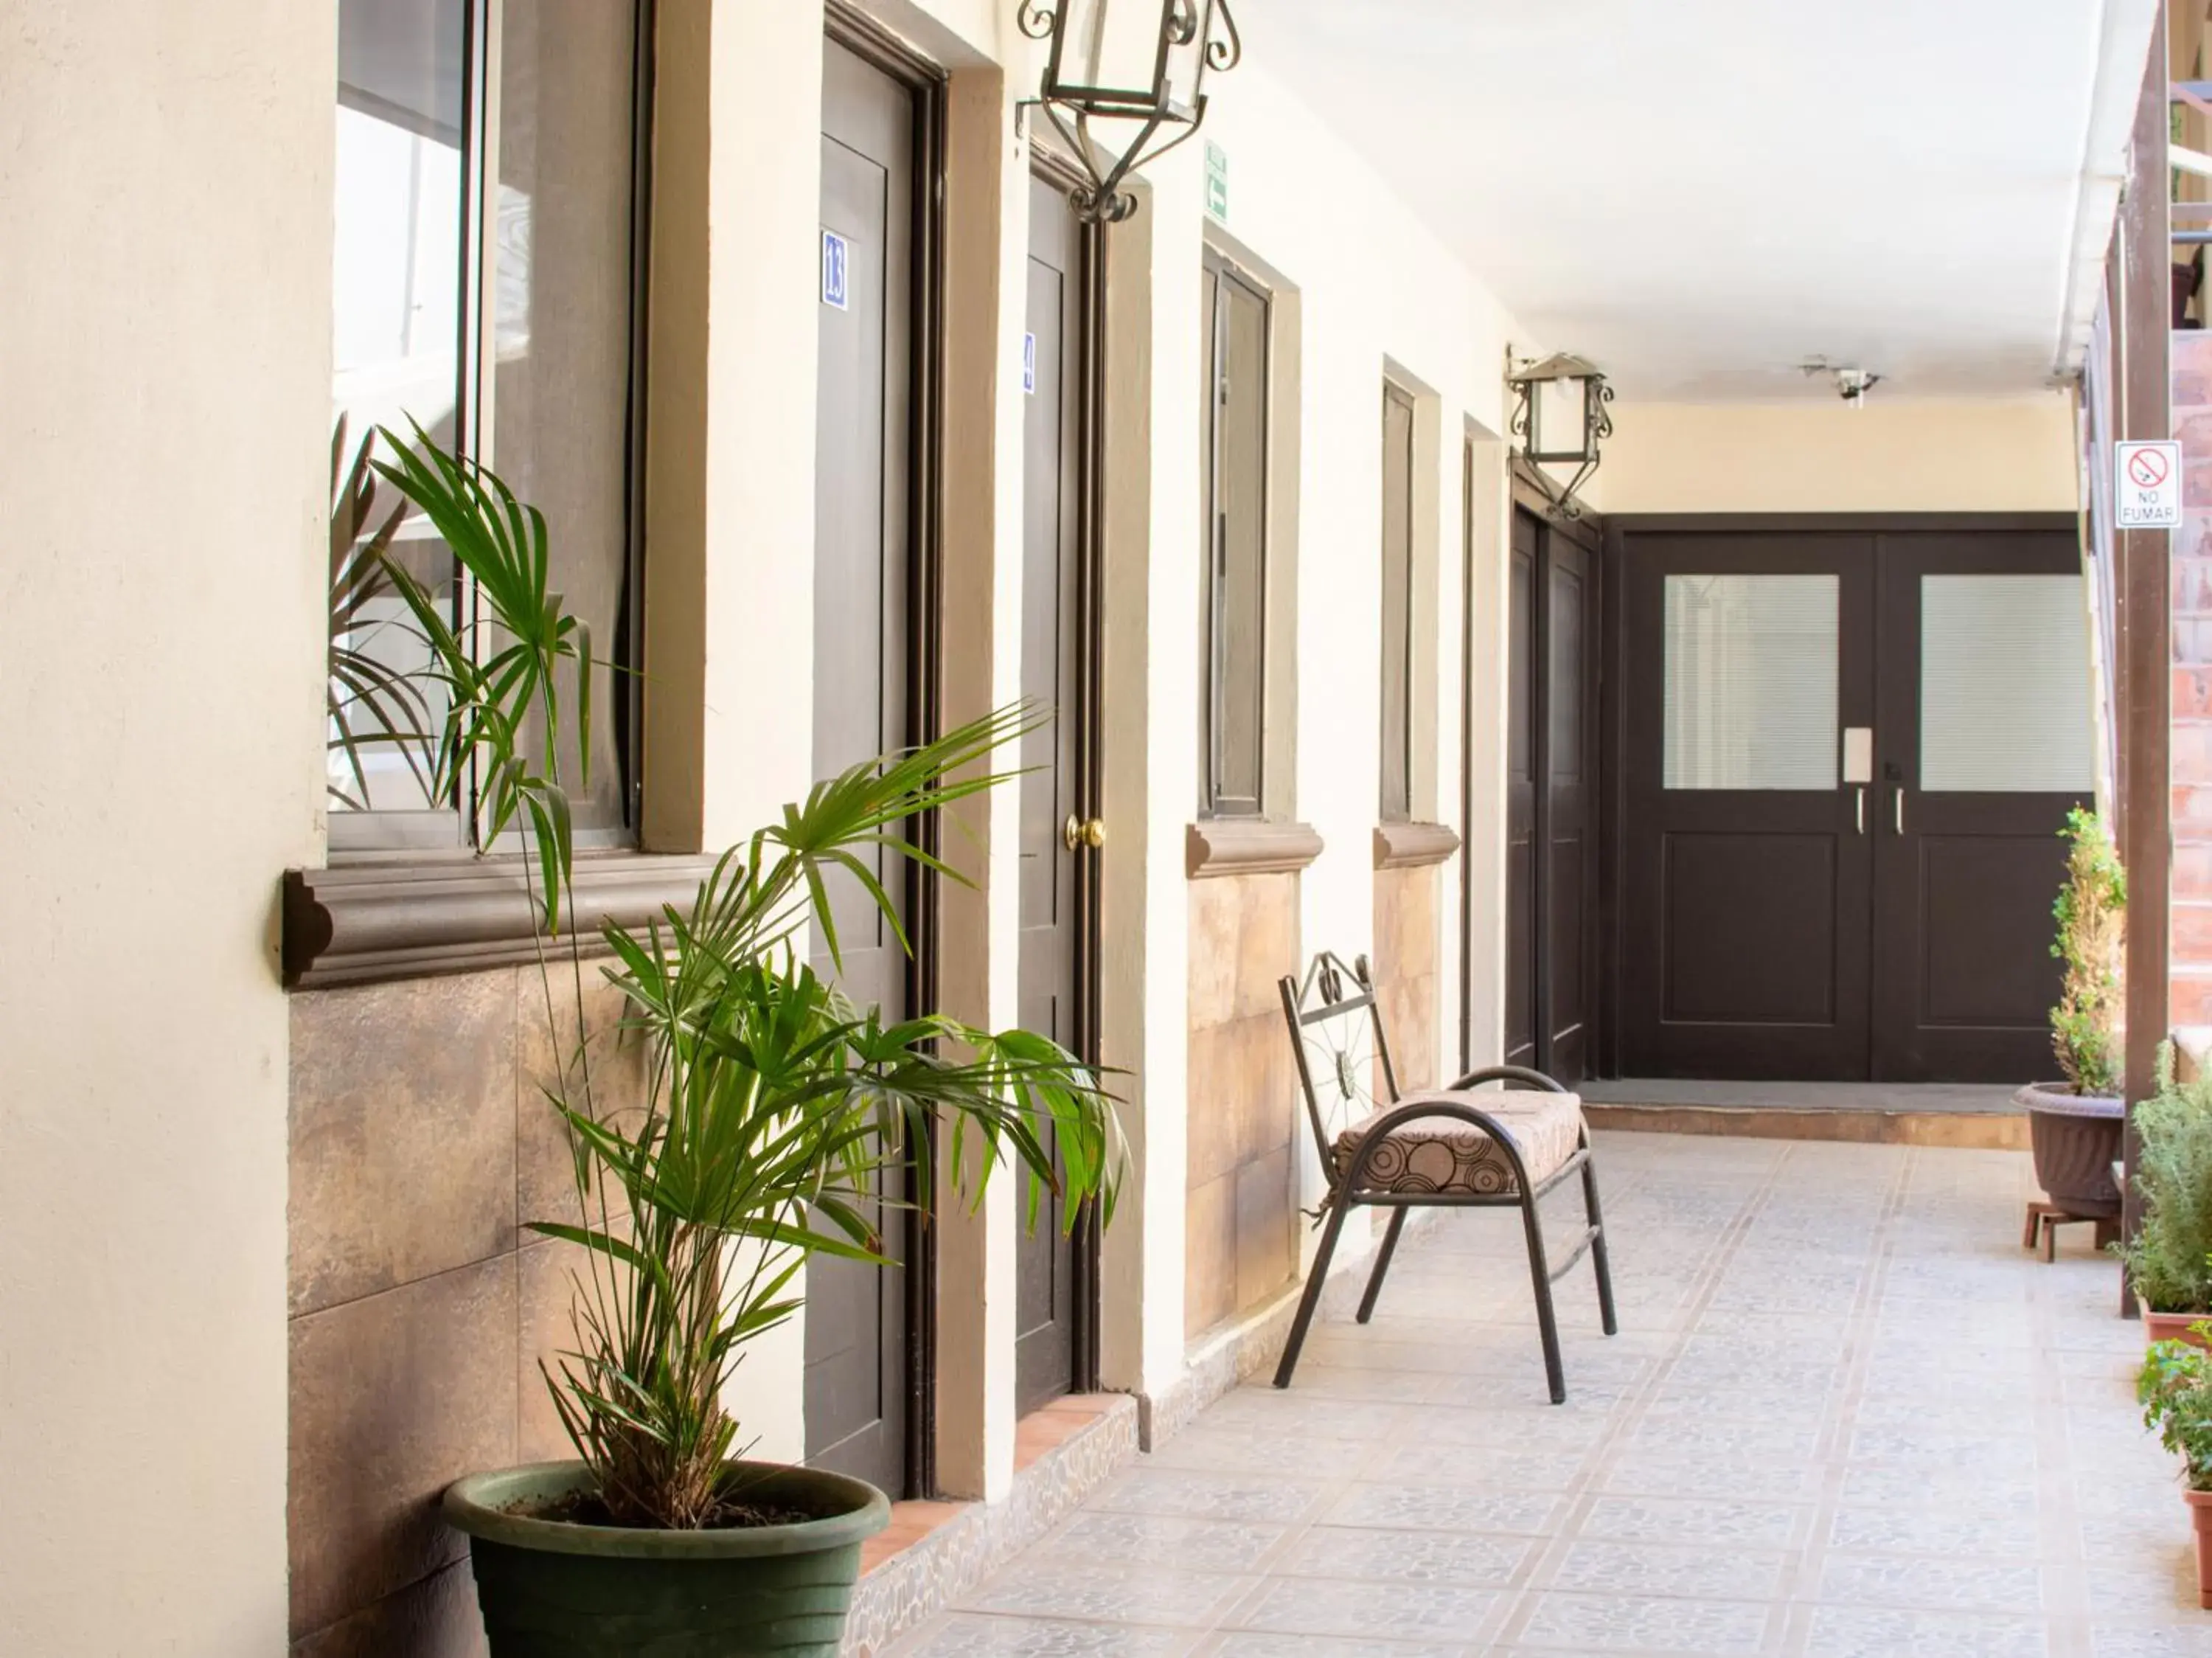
{"x":1548,"y":1323}
{"x":1382,"y":1263}
{"x":1599,"y":1263}
{"x":1315,"y":1279}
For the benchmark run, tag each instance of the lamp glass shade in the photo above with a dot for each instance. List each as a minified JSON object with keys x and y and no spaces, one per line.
{"x":1560,"y":410}
{"x":1108,"y":55}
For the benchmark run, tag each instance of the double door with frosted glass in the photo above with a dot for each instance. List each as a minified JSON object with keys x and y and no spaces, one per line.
{"x":1848,"y":758}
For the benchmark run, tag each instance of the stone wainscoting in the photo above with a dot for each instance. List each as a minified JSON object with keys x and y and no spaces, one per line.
{"x":421,"y":1142}
{"x":1241,"y":1209}
{"x":1407,"y":980}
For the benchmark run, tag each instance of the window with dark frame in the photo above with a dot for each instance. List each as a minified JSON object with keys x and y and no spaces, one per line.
{"x":1235,"y":474}
{"x":1397,"y":803}
{"x":487,"y":285}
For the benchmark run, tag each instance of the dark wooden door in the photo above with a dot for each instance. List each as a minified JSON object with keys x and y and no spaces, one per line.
{"x":1552,"y":709}
{"x":1567,"y":885}
{"x":1986,"y":741}
{"x":857,"y":1335}
{"x":1054,"y":799}
{"x":1524,"y":656}
{"x":1801,"y":906}
{"x":1747,"y":863}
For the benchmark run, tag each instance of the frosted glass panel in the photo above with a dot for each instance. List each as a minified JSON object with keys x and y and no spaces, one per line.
{"x":2004,"y":685}
{"x":1750,"y":681}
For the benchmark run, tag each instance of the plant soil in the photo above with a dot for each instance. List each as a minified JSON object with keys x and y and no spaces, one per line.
{"x":588,"y":1508}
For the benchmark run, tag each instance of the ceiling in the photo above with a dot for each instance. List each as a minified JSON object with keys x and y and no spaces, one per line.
{"x":1701,"y":194}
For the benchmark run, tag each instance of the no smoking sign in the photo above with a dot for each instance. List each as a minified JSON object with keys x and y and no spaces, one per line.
{"x":2147,"y":486}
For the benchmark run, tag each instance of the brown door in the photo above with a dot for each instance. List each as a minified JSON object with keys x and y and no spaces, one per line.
{"x":1551,"y":709}
{"x":857,"y":1347}
{"x":1568,"y":882}
{"x":1526,"y":651}
{"x":1056,"y":617}
{"x":1748,"y":863}
{"x":1848,"y":755}
{"x":1986,"y":742}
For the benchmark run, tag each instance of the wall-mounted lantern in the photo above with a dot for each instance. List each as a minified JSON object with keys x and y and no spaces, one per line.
{"x":1559,"y":417}
{"x":1139,"y":63}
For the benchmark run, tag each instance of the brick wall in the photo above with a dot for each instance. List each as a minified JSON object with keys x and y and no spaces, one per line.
{"x":2191,"y":979}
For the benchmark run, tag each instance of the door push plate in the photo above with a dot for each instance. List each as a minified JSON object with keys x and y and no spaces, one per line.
{"x":1858,"y":753}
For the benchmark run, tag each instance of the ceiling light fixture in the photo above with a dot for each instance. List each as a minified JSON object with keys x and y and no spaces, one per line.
{"x":1852,"y":384}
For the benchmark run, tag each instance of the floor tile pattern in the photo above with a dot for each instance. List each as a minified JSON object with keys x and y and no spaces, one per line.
{"x":1846,"y":1417}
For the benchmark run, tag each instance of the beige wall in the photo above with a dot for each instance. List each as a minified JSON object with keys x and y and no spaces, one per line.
{"x":1895,"y":454}
{"x":165,"y":183}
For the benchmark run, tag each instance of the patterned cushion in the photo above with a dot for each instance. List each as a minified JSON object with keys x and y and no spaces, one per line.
{"x":1445,"y":1155}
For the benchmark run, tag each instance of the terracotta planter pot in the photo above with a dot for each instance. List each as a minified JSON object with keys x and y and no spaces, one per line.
{"x":550,"y":1589}
{"x":2076,"y":1139}
{"x":2175,"y":1326}
{"x":2200,"y":1511}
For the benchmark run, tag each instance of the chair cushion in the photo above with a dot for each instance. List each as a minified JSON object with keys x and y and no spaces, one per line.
{"x":1446,"y":1155}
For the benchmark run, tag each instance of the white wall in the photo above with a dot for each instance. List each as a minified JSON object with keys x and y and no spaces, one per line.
{"x":1895,"y":454}
{"x":165,"y":183}
{"x":1375,"y":288}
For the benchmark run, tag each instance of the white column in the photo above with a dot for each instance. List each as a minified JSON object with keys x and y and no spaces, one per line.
{"x":730,"y":475}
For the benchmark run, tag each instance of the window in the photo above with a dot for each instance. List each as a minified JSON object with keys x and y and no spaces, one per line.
{"x":1397,"y":805}
{"x":485,"y":286}
{"x":1750,"y":681}
{"x":1235,"y":472}
{"x":2005,"y":698}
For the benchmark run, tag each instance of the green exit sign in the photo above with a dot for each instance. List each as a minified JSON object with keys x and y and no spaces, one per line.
{"x":1217,"y":183}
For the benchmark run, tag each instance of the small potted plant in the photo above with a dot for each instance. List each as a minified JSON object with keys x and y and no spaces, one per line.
{"x":2075,"y":1125}
{"x":775,"y":1114}
{"x":2175,"y":1389}
{"x":2169,"y":1260}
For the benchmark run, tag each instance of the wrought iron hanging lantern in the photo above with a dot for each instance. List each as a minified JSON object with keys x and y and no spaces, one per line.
{"x":1560,"y":418}
{"x":1139,"y":64}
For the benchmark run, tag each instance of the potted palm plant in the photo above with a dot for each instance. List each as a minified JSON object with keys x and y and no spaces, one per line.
{"x":2075,"y":1125}
{"x":2175,"y":1390}
{"x":774,"y":1111}
{"x":2169,"y":1259}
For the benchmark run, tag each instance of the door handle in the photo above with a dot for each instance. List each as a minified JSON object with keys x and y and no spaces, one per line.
{"x":1900,"y":809}
{"x":1080,"y":832}
{"x":1858,"y":808}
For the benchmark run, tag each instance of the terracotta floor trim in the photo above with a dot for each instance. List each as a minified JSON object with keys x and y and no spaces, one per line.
{"x":932,"y":1552}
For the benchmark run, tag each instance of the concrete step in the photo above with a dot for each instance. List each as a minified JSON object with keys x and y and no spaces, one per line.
{"x":1880,"y":1113}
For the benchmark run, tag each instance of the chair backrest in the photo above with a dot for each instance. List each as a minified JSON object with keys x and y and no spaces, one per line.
{"x":1336,"y":1031}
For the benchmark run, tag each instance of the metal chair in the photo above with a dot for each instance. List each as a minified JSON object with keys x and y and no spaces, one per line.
{"x":1470,"y":1151}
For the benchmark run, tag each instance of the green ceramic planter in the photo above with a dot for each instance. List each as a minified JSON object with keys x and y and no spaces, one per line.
{"x":549,"y":1589}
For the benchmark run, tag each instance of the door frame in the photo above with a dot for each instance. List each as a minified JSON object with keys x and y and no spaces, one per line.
{"x":928,"y":81}
{"x":1619,"y":530}
{"x":1056,"y":169}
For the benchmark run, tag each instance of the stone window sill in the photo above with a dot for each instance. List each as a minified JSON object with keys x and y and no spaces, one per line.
{"x":369,"y":922}
{"x":1247,"y":846}
{"x":1413,"y":845}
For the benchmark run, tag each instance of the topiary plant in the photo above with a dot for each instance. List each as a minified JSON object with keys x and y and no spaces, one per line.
{"x":2091,"y":912}
{"x":2170,"y":1258}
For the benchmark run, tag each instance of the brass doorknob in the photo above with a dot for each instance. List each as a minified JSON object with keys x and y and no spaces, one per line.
{"x":1083,"y":832}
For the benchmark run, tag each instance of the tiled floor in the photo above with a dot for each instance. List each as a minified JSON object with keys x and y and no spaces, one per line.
{"x":1846,"y":1417}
